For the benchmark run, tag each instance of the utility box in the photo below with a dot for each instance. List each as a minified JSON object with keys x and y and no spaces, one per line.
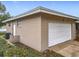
{"x":7,"y":35}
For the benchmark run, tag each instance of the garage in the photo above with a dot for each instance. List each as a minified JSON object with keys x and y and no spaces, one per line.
{"x":58,"y":33}
{"x":42,"y":28}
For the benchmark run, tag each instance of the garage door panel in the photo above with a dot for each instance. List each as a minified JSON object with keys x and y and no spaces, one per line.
{"x":58,"y":33}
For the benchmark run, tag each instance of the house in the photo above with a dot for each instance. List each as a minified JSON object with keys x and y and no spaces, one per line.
{"x":42,"y":28}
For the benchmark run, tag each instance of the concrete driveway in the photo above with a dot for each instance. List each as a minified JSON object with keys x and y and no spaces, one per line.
{"x":68,"y":49}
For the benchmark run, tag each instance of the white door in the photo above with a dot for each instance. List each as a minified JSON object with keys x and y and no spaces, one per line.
{"x":14,"y":29}
{"x":58,"y":33}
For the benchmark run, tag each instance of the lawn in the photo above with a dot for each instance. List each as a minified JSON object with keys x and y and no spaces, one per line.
{"x":20,"y":50}
{"x":34,"y":53}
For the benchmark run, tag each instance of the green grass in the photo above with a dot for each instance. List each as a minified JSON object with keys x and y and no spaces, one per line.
{"x":30,"y":52}
{"x":33,"y":53}
{"x":3,"y":46}
{"x":20,"y":50}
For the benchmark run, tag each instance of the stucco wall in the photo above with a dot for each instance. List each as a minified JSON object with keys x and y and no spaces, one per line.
{"x":33,"y":30}
{"x":46,"y":18}
{"x":29,"y":30}
{"x":9,"y":27}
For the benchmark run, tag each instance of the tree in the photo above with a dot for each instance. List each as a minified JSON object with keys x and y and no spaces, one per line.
{"x":3,"y":14}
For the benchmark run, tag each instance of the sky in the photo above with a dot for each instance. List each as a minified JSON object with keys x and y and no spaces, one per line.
{"x":19,"y":7}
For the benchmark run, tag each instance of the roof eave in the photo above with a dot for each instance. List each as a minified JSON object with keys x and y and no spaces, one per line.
{"x":17,"y":17}
{"x":37,"y":10}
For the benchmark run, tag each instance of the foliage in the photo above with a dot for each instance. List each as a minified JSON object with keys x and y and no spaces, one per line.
{"x":3,"y":13}
{"x":4,"y":16}
{"x":2,"y":8}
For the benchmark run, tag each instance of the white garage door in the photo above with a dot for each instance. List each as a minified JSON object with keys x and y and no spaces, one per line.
{"x":58,"y":33}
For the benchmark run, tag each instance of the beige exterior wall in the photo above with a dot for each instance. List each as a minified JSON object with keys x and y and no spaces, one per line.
{"x":9,"y":27}
{"x":29,"y":30}
{"x":51,"y":19}
{"x":33,"y":30}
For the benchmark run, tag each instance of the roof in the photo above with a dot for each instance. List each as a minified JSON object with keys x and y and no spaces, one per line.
{"x":41,"y":9}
